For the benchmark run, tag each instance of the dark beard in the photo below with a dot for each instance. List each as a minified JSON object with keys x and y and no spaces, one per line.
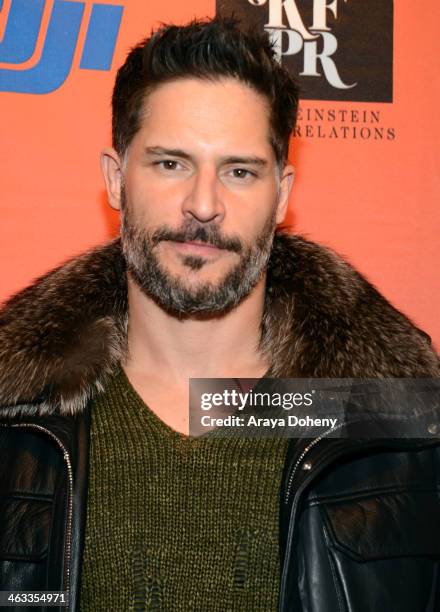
{"x":171,"y":293}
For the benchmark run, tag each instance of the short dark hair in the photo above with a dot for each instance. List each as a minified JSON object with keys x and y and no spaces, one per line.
{"x":209,"y":49}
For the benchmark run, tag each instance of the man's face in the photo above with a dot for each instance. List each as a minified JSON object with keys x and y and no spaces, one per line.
{"x":200,"y":195}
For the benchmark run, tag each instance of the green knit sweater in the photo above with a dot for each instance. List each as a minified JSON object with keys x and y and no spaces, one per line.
{"x":177,"y":523}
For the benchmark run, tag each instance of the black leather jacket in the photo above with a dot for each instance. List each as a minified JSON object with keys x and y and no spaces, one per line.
{"x":43,"y":480}
{"x":359,"y":518}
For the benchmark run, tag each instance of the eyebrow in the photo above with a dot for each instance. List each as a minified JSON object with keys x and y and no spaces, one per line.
{"x":170,"y":152}
{"x":233,"y":159}
{"x":255,"y":161}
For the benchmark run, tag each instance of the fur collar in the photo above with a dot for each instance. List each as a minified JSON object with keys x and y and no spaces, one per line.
{"x":62,"y":336}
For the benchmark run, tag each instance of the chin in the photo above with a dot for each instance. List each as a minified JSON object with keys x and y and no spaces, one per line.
{"x":200,"y":268}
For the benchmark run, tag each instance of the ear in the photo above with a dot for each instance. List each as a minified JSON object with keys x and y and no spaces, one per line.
{"x":112,"y":170}
{"x":286,"y":183}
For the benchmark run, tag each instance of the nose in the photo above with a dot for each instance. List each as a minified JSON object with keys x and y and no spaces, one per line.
{"x":203,"y":201}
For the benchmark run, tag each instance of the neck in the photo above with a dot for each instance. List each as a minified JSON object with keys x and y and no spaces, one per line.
{"x":178,"y":349}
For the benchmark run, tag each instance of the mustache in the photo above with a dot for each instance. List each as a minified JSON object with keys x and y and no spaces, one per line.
{"x":209,"y":234}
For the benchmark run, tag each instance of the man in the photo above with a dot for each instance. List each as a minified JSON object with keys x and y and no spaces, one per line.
{"x":103,"y":493}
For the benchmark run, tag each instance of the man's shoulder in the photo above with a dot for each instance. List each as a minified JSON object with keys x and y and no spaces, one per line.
{"x":334,"y":321}
{"x":59,"y":335}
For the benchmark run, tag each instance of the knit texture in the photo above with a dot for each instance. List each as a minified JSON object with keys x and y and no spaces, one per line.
{"x":177,"y":523}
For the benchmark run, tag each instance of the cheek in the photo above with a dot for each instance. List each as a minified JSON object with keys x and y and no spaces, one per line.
{"x":152,"y":205}
{"x":248,"y":213}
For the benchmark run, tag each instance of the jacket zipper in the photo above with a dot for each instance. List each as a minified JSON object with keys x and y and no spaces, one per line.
{"x":293,"y":473}
{"x":68,"y":462}
{"x":312,"y":444}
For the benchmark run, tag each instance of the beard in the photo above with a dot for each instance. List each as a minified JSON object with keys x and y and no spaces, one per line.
{"x":205,"y":298}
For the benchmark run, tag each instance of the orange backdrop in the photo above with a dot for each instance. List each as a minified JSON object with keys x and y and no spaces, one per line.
{"x":374,"y":199}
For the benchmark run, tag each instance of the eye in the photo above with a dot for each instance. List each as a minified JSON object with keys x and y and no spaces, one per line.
{"x":168,"y":164}
{"x":242,"y":173}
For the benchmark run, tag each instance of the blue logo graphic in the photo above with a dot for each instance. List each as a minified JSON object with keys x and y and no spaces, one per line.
{"x":21,"y":34}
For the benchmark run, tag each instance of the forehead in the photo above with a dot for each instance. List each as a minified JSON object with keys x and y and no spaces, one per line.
{"x":207,"y":115}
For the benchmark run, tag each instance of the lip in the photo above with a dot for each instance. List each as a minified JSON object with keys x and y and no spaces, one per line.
{"x":197,"y":248}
